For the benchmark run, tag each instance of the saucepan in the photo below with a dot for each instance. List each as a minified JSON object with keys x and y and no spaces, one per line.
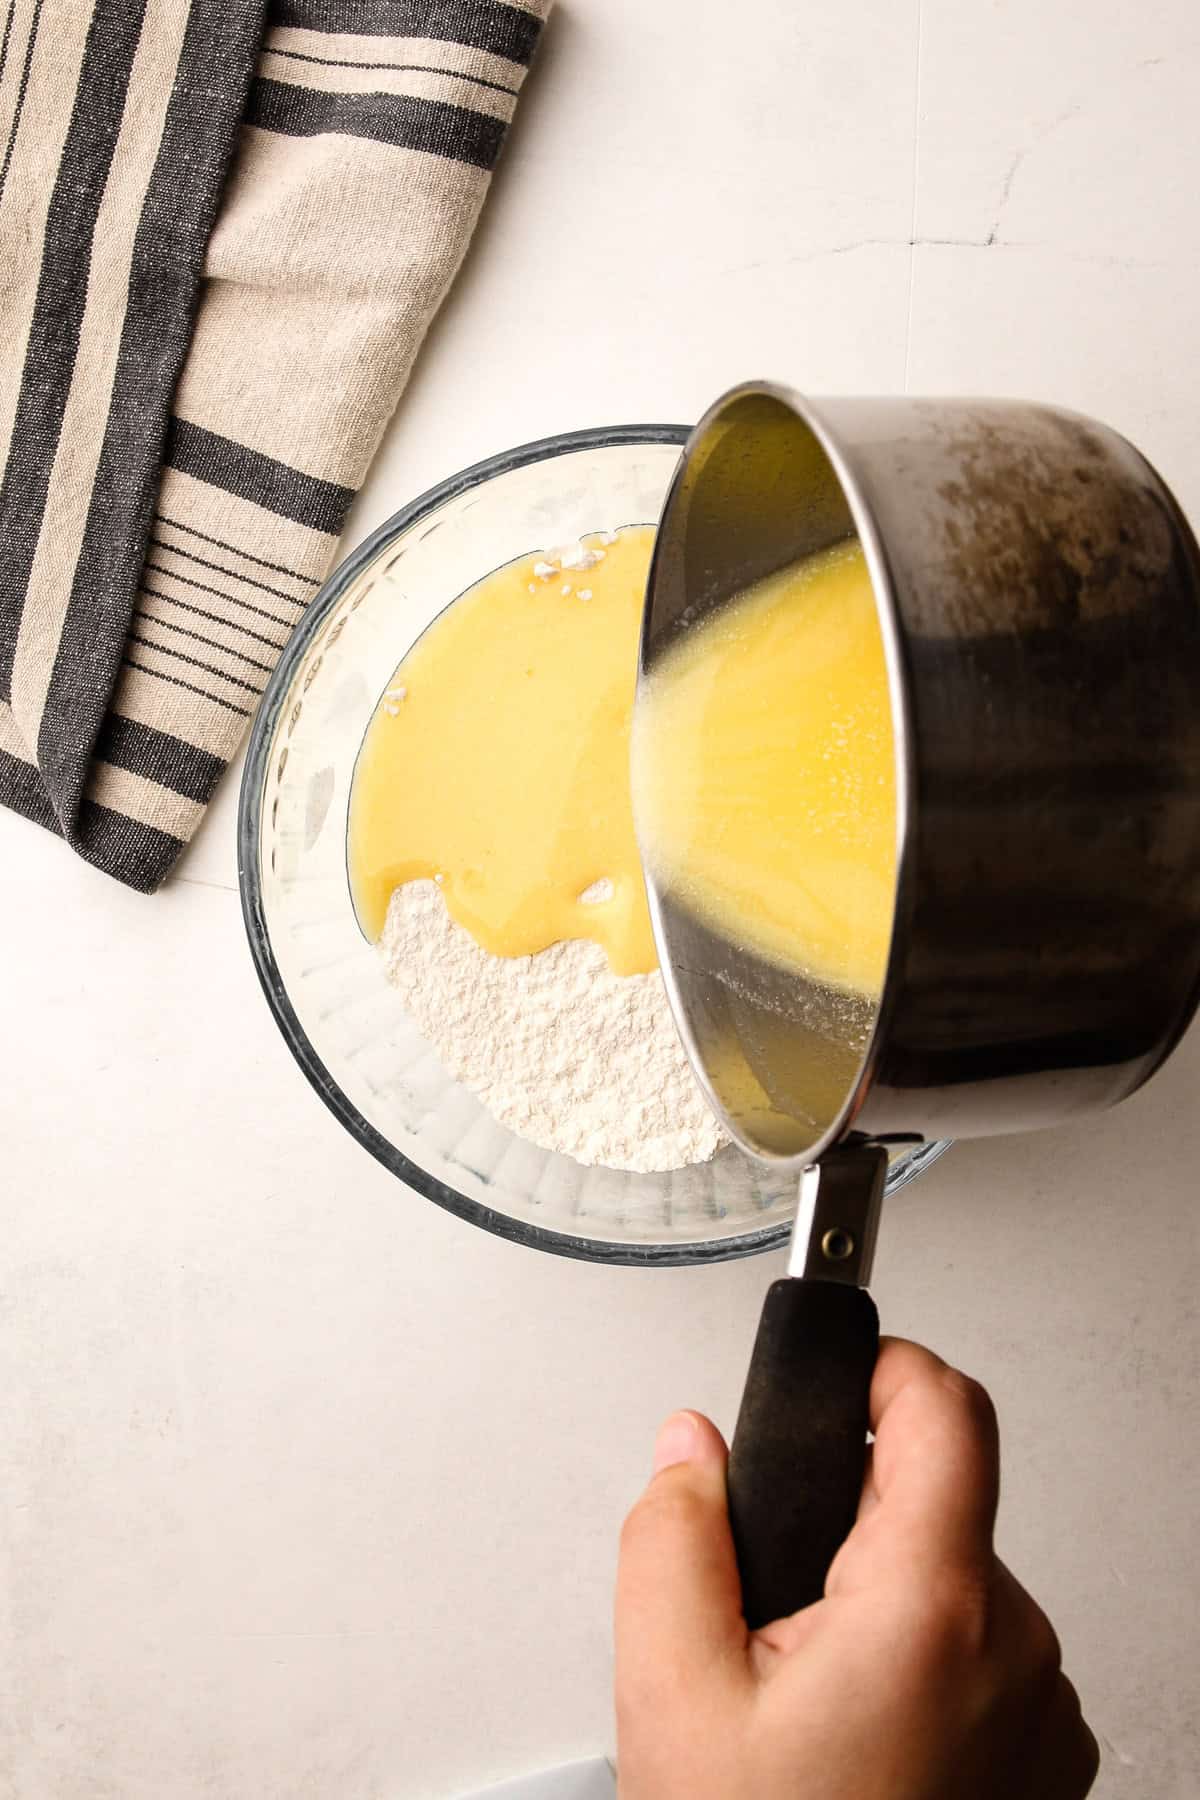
{"x":1038,"y":594}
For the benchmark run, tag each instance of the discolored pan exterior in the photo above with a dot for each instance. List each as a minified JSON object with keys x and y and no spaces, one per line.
{"x":1039,"y":593}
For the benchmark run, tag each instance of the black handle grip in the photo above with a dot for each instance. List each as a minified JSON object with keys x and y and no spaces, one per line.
{"x":796,"y":1467}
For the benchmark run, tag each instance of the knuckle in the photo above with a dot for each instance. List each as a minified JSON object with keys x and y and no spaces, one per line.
{"x":1089,"y":1756}
{"x":974,"y":1399}
{"x":954,"y":1621}
{"x":664,"y":1510}
{"x":1075,"y":1745}
{"x":1043,"y":1650}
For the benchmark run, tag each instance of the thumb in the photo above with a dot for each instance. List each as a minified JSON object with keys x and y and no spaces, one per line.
{"x":679,"y":1600}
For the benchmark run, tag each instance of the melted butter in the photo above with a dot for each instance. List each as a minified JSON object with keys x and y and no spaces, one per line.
{"x":764,"y":773}
{"x":497,"y":762}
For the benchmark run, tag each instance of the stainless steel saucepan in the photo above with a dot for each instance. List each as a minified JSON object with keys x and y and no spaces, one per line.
{"x":1038,"y":591}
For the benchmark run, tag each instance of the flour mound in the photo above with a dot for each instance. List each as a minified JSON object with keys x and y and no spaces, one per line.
{"x":557,"y":1047}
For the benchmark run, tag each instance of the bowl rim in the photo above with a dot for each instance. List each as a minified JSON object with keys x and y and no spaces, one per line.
{"x":249,"y":844}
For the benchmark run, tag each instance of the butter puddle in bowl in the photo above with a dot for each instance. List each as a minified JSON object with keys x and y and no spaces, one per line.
{"x":492,"y":858}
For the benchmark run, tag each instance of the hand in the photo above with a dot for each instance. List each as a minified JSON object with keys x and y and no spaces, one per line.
{"x":925,"y":1673}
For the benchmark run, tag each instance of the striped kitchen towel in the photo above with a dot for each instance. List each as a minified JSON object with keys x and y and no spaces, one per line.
{"x":224,"y":228}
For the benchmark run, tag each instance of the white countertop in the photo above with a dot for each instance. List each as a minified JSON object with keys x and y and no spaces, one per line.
{"x":310,"y":1491}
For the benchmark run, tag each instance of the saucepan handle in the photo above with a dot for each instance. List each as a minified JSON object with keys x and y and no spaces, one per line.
{"x":796,"y":1466}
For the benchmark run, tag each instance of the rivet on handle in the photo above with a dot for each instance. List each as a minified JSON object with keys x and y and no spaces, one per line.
{"x":838,"y":1243}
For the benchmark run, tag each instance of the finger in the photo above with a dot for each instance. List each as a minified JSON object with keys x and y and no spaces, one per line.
{"x":1022,"y":1638}
{"x":936,"y":1459}
{"x":679,"y":1600}
{"x":1068,"y":1757}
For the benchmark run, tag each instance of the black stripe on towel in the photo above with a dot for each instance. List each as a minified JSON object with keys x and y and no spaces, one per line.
{"x":8,"y":25}
{"x":159,"y":756}
{"x":53,"y":341}
{"x":179,"y":682}
{"x":481,"y":24}
{"x":194,"y":662}
{"x":206,"y":562}
{"x":139,"y":855}
{"x":224,"y":544}
{"x":411,"y":124}
{"x":22,"y":85}
{"x":183,"y":192}
{"x":275,"y":486}
{"x":201,"y":637}
{"x":401,"y":68}
{"x":21,"y":788}
{"x":221,"y":618}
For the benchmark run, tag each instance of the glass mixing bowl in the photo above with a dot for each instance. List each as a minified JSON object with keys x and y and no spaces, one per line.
{"x":343,"y":1021}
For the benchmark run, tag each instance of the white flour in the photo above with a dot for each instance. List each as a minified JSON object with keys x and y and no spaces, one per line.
{"x":556,"y":1046}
